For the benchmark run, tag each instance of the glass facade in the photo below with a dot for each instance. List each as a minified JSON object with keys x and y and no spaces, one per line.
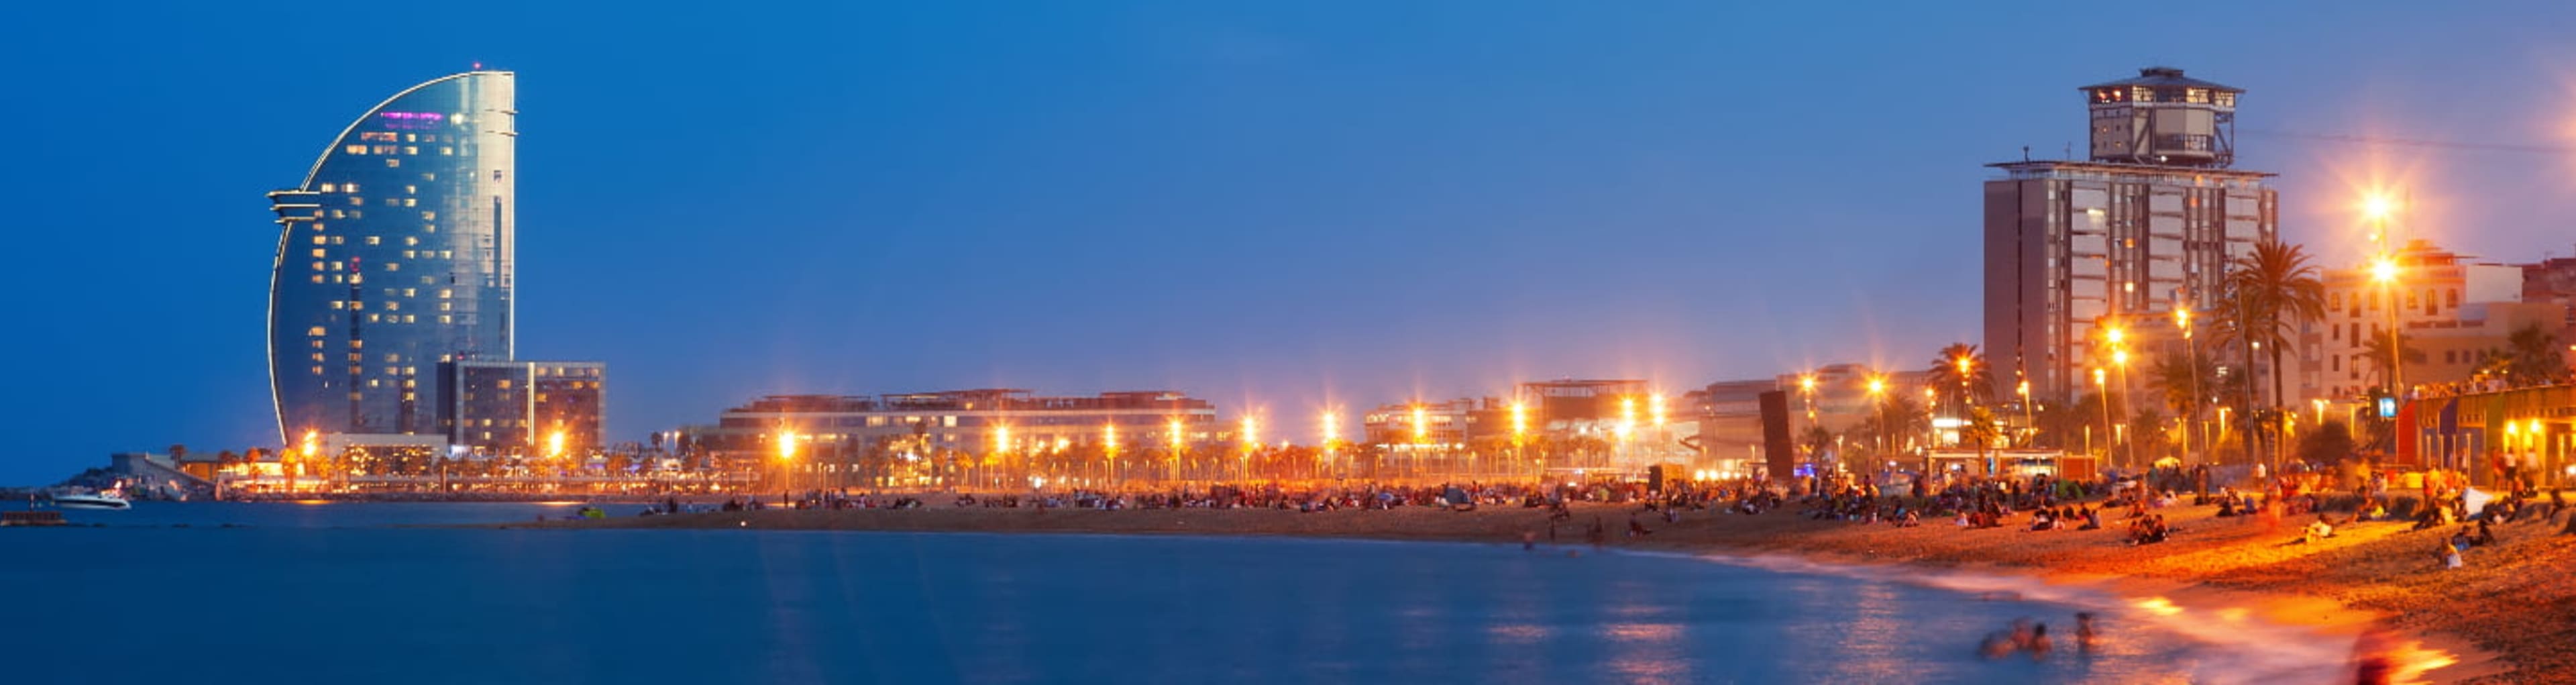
{"x":395,"y":256}
{"x":521,"y":407}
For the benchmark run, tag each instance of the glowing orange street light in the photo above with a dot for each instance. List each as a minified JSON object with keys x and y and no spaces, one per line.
{"x":1421,"y":424}
{"x":786,"y":445}
{"x":1877,"y":386}
{"x":1332,"y":430}
{"x":1109,"y":437}
{"x":2383,"y":270}
{"x":555,"y":443}
{"x":1251,"y":431}
{"x":1520,"y":420}
{"x":1655,"y":409}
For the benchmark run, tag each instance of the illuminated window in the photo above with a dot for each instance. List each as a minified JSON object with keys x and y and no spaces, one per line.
{"x":317,"y":370}
{"x":328,"y":188}
{"x":375,"y":240}
{"x":393,"y":163}
{"x":357,"y":149}
{"x":317,"y":278}
{"x":409,"y":254}
{"x":411,"y":202}
{"x":393,"y":266}
{"x":319,"y":240}
{"x":317,"y":253}
{"x":445,"y":150}
{"x":355,"y":200}
{"x":444,"y":293}
{"x":317,"y":356}
{"x":429,"y":216}
{"x":445,"y":319}
{"x":408,"y":292}
{"x":317,"y":266}
{"x":446,"y":307}
{"x":348,"y":187}
{"x":375,"y":318}
{"x":315,"y":331}
{"x":339,"y":239}
{"x":411,"y":149}
{"x":411,"y":240}
{"x":391,"y":306}
{"x":429,"y":176}
{"x":411,"y":190}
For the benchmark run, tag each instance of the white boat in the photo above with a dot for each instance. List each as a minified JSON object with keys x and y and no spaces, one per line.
{"x":97,"y":500}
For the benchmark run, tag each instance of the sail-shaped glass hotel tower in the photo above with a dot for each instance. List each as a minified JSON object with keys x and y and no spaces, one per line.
{"x":395,"y":256}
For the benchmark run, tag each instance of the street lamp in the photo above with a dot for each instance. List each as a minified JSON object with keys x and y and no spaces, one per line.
{"x":1109,"y":447}
{"x":1177,"y":446}
{"x":1331,"y":433}
{"x":1520,"y":437}
{"x":2102,"y":391}
{"x":2191,"y":361}
{"x":787,"y":455}
{"x":1251,"y":441}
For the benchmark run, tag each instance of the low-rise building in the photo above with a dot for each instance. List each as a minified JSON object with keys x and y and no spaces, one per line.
{"x":524,"y":408}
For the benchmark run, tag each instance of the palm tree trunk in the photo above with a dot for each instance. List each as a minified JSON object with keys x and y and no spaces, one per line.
{"x":2280,"y":419}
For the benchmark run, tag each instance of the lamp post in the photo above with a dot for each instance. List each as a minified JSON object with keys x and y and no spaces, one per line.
{"x":1177,"y":447}
{"x":1251,"y":442}
{"x":1520,"y":437}
{"x":1877,"y":389}
{"x":2102,"y":391}
{"x":787,"y":458}
{"x":1331,"y":431}
{"x":1109,"y":450}
{"x":2191,"y":362}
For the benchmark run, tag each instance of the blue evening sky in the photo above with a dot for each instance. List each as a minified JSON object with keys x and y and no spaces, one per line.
{"x":1274,"y":205}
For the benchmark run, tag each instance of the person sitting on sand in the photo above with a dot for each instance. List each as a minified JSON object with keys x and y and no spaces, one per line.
{"x":2448,"y":556}
{"x":2092,"y":519}
{"x":1636,"y":529}
{"x":2484,"y":537}
{"x":2317,"y":530}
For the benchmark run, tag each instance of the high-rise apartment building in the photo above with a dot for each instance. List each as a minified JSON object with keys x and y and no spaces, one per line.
{"x":2149,"y":222}
{"x":395,"y":256}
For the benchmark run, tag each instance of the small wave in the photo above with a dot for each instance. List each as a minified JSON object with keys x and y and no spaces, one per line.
{"x":2221,"y":645}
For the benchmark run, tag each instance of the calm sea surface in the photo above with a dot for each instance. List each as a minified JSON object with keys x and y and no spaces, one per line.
{"x":336,"y":592}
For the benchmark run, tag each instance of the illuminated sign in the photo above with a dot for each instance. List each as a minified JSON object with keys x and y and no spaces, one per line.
{"x":413,"y":120}
{"x":2387,"y":407}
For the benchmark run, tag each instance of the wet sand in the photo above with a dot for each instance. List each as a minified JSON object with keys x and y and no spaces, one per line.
{"x":2508,"y":616}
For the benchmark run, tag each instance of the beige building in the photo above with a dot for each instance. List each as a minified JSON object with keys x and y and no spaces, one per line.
{"x":2450,"y":307}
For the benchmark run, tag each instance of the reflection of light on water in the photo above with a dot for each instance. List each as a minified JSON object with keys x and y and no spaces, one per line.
{"x":1647,"y":652}
{"x":2157,"y":605}
{"x":1645,"y":632}
{"x":1518,"y":633}
{"x":312,"y":501}
{"x":2414,"y":659}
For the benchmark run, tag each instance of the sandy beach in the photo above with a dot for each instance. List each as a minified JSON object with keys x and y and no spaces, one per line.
{"x":2507,"y":616}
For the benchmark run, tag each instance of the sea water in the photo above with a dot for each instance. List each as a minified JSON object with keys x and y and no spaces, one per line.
{"x":340,"y":593}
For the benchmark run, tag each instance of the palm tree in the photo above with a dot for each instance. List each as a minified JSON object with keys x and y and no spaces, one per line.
{"x":1982,"y":430}
{"x":2376,"y":350}
{"x":2536,"y":357}
{"x":2270,"y":291}
{"x":1818,"y":440}
{"x":1960,"y":375}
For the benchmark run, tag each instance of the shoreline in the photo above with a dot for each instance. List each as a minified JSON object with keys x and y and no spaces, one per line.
{"x":2218,"y":567}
